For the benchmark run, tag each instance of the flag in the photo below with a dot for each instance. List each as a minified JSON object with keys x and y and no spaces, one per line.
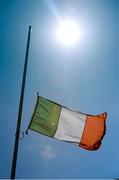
{"x":54,"y":120}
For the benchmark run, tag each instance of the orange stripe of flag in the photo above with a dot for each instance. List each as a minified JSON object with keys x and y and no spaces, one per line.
{"x":93,"y":132}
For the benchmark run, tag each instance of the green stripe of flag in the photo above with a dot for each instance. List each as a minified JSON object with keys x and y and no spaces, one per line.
{"x":45,"y":117}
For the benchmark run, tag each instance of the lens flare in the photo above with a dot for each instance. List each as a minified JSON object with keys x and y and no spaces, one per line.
{"x":68,"y":32}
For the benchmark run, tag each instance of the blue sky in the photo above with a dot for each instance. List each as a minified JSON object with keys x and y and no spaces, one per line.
{"x":84,"y":77}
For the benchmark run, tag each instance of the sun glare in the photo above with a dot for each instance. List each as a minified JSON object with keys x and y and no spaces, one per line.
{"x":68,"y":32}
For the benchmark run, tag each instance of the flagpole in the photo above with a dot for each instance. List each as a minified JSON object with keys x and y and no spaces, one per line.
{"x":17,"y":135}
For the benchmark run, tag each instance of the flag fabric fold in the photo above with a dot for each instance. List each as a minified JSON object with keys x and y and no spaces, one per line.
{"x":54,"y":120}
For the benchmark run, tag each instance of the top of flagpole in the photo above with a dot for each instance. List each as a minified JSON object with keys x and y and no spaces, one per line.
{"x":30,"y":27}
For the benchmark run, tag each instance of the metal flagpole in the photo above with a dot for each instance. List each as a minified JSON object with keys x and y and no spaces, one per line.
{"x":17,"y":135}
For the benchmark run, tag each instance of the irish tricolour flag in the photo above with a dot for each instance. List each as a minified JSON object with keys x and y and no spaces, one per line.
{"x":53,"y":120}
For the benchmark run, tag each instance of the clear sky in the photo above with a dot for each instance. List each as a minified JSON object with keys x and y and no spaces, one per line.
{"x":84,"y":77}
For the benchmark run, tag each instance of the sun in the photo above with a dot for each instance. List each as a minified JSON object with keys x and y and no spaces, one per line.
{"x":68,"y":32}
